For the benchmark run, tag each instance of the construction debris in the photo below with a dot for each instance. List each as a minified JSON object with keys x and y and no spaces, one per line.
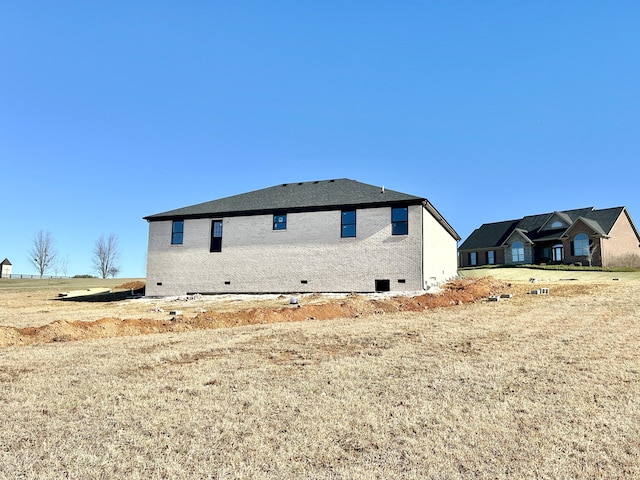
{"x":82,"y":293}
{"x":456,"y":292}
{"x":540,"y":291}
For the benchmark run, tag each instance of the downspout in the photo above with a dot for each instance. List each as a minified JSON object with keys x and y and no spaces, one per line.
{"x":422,"y":247}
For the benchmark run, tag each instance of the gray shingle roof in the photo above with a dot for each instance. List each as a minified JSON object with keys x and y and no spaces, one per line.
{"x":489,"y":235}
{"x":605,"y":217}
{"x":492,"y":235}
{"x":532,"y":223}
{"x":303,"y":196}
{"x":317,"y":195}
{"x":597,"y":228}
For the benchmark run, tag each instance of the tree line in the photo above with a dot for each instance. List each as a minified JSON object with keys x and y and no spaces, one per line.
{"x":44,"y":256}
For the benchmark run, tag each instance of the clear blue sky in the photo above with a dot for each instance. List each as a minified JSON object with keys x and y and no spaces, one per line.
{"x":114,"y":110}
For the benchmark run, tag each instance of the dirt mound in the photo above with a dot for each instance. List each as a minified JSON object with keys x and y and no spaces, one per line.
{"x":135,"y":285}
{"x":454,"y":293}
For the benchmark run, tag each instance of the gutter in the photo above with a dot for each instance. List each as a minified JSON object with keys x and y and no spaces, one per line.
{"x":440,"y":219}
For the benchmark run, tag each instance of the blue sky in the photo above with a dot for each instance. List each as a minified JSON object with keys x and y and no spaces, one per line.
{"x":111,"y":111}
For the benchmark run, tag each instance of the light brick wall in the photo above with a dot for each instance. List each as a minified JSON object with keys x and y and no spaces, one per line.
{"x":622,"y":242}
{"x":255,"y":258}
{"x":439,"y":252}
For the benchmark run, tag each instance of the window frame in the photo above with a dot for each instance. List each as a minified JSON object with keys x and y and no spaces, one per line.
{"x":581,"y":245}
{"x":177,"y":236}
{"x":348,"y":225}
{"x":279,"y":225}
{"x":557,"y":252}
{"x":400,"y":226}
{"x":519,"y":247}
{"x":216,"y":240}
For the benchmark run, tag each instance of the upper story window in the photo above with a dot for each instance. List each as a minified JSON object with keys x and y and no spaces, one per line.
{"x":400,"y":221}
{"x":280,"y":221}
{"x":348,"y":223}
{"x":581,"y":245}
{"x":177,"y":232}
{"x":216,"y":236}
{"x":517,"y":252}
{"x":557,"y":224}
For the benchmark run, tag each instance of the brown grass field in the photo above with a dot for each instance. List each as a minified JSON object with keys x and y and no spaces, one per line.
{"x":533,"y":386}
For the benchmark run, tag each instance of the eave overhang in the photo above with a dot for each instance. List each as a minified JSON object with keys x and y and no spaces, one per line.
{"x":275,"y":210}
{"x":440,"y":219}
{"x":520,"y":232}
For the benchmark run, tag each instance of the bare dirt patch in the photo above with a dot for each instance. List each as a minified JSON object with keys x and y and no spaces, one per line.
{"x":232,"y":313}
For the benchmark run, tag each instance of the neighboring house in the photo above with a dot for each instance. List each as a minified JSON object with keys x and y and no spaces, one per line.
{"x":323,"y":236}
{"x":606,"y":237}
{"x":5,"y":269}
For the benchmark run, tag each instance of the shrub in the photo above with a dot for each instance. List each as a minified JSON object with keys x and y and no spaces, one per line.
{"x":629,"y":260}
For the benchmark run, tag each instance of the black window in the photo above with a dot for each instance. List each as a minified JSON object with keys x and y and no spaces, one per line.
{"x":216,"y":236}
{"x":177,"y":232}
{"x":383,"y":285}
{"x":348,"y":223}
{"x":280,"y":221}
{"x":399,"y":221}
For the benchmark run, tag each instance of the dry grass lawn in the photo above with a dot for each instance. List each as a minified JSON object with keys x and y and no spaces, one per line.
{"x":530,"y":387}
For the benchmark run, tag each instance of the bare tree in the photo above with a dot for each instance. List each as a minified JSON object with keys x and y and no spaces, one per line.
{"x":593,"y":247}
{"x":62,"y":266}
{"x":106,"y":254}
{"x":43,"y":253}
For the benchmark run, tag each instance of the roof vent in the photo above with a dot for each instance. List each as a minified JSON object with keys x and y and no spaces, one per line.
{"x":382,"y":189}
{"x":331,"y":181}
{"x":284,"y":184}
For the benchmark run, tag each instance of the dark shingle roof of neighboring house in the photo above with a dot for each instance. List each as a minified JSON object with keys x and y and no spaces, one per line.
{"x":532,"y":223}
{"x":494,"y":234}
{"x":605,"y":218}
{"x":5,"y":262}
{"x":489,"y":235}
{"x":301,"y":197}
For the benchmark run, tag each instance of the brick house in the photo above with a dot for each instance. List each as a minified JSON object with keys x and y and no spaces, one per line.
{"x":606,"y":238}
{"x":324,"y":236}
